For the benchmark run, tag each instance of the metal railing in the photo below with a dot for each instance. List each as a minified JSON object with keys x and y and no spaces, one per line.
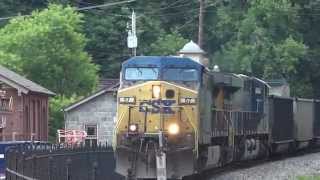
{"x":55,"y":162}
{"x":242,"y":122}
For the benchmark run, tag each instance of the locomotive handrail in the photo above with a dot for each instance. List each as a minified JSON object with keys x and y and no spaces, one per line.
{"x":117,"y":128}
{"x":238,"y":119}
{"x":160,"y":106}
{"x":225,"y":110}
{"x":195,"y":131}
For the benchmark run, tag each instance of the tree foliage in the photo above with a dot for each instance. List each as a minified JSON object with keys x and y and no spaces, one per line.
{"x":167,"y":44}
{"x":48,"y":47}
{"x":54,"y":46}
{"x":263,"y":43}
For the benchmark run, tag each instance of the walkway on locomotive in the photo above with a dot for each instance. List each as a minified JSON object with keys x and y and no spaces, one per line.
{"x":181,"y":78}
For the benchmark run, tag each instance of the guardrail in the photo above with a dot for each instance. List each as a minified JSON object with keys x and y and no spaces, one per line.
{"x":55,"y":162}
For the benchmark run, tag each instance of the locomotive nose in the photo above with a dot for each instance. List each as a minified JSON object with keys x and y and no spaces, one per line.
{"x":158,"y":106}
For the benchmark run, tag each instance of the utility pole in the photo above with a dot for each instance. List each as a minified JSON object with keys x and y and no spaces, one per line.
{"x":132,"y":39}
{"x":200,"y":33}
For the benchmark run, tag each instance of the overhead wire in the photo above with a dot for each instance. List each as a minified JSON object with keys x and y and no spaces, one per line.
{"x":78,"y":9}
{"x":105,"y":5}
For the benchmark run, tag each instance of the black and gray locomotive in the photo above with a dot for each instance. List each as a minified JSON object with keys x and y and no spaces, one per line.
{"x":245,"y":122}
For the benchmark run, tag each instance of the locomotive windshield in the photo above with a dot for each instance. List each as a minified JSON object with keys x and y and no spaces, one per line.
{"x":179,"y":74}
{"x":141,"y":73}
{"x":182,"y":71}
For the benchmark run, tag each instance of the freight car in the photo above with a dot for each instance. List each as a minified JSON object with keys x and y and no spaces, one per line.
{"x":176,"y":118}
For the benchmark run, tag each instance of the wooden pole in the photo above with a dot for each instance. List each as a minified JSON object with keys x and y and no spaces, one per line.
{"x":200,"y":33}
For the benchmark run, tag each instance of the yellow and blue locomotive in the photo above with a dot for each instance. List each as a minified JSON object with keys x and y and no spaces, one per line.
{"x":158,"y":111}
{"x":176,"y":118}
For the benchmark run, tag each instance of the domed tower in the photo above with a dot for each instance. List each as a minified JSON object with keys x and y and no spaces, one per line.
{"x":194,"y":52}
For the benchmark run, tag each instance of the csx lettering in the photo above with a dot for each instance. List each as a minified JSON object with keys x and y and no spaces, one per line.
{"x":157,"y":106}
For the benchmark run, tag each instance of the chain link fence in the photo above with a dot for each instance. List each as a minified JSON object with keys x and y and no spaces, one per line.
{"x":55,"y":162}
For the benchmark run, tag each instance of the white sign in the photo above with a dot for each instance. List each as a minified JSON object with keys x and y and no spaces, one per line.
{"x":132,"y":41}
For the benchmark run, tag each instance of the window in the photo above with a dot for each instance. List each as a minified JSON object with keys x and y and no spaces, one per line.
{"x":44,"y":122}
{"x":141,"y":73}
{"x":33,"y":116}
{"x":91,"y":131}
{"x":92,"y":135}
{"x":27,"y":120}
{"x":39,"y":120}
{"x":179,"y":74}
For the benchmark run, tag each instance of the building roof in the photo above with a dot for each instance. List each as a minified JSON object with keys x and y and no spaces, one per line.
{"x":91,"y":97}
{"x":21,"y":83}
{"x":191,"y":47}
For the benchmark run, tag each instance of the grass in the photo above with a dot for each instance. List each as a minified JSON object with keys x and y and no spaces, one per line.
{"x":312,"y":177}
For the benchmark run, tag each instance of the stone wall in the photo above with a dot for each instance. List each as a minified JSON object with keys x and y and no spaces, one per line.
{"x":100,"y":110}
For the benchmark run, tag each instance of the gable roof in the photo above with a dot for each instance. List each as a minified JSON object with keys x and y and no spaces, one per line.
{"x":91,"y":97}
{"x":21,"y":83}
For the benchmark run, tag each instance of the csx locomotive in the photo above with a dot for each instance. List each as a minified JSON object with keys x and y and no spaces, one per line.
{"x":177,"y":118}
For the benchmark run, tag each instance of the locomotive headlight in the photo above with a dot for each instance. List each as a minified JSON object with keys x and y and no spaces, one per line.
{"x":133,"y":127}
{"x":156,"y":91}
{"x":127,"y":100}
{"x":188,"y":101}
{"x":173,"y":129}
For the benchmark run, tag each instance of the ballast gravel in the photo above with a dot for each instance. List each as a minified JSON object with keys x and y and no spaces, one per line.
{"x":285,"y":169}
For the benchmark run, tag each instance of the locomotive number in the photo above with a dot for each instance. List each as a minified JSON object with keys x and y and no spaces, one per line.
{"x":157,"y":106}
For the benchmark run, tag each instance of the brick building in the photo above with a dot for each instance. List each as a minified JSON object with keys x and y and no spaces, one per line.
{"x":23,"y":108}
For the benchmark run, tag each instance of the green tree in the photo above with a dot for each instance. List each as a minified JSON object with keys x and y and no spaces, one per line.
{"x":107,"y":40}
{"x":308,"y":75}
{"x":263,"y":43}
{"x":106,"y":29}
{"x":48,"y":47}
{"x":167,"y":44}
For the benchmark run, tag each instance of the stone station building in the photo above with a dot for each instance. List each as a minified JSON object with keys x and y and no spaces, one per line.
{"x":94,"y":114}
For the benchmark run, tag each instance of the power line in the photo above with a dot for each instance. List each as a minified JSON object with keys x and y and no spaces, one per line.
{"x":128,"y":1}
{"x":186,"y":23}
{"x":105,"y":5}
{"x":157,"y":11}
{"x":80,"y":9}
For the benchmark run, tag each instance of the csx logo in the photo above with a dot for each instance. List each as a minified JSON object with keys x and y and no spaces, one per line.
{"x":157,"y":106}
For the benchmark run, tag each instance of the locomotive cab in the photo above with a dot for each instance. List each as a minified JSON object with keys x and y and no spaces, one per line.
{"x":157,"y":111}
